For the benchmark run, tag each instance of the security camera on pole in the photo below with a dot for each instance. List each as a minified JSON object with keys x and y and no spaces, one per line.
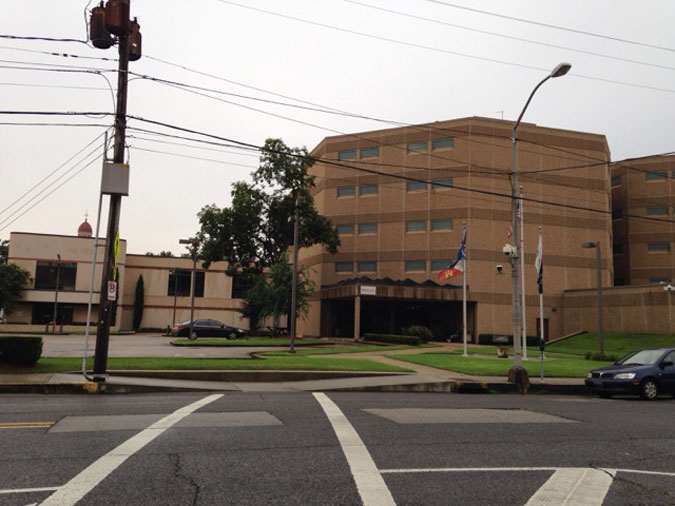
{"x":111,"y":24}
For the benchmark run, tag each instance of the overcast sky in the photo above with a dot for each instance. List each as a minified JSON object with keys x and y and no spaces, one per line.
{"x":428,"y":70}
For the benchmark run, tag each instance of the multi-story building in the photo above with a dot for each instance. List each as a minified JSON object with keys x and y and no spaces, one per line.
{"x":399,"y":198}
{"x":643,"y":248}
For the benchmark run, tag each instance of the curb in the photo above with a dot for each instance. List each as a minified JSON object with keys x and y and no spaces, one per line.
{"x":49,"y":388}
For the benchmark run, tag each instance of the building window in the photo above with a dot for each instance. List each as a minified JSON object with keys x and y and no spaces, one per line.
{"x":368,"y":189}
{"x":415,"y":265}
{"x":344,"y":266}
{"x":616,"y":180}
{"x":658,"y":246}
{"x":370,"y":152}
{"x":345,"y":229}
{"x":441,"y":184}
{"x":367,"y":228}
{"x":617,"y":249}
{"x":367,"y":266}
{"x":43,"y":313}
{"x":617,"y":214}
{"x":413,"y":186}
{"x":240,"y":285}
{"x":441,"y":224}
{"x":439,"y":265}
{"x":349,"y":154}
{"x":415,"y":226}
{"x":659,"y":280}
{"x":180,"y":281}
{"x":346,"y":191}
{"x":657,"y":210}
{"x":45,"y":276}
{"x":417,"y":147}
{"x":442,"y":144}
{"x":656,"y":176}
{"x":619,"y":282}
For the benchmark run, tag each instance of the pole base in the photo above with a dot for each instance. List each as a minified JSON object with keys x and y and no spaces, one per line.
{"x":519,"y":376}
{"x":100,"y":378}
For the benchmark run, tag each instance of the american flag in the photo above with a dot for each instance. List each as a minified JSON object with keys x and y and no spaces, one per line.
{"x":510,"y":232}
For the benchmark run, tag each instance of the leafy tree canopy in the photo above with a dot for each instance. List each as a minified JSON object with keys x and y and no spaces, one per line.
{"x":12,"y":280}
{"x":4,"y":251}
{"x":254,"y":232}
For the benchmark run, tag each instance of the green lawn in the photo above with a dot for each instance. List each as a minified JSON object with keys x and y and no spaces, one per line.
{"x":250,"y":341}
{"x":297,"y":363}
{"x":341,"y":349}
{"x":615,"y":343}
{"x":559,"y":367}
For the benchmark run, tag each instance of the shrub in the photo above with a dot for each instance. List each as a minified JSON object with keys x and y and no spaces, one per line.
{"x":503,"y":339}
{"x":393,"y":338}
{"x":420,"y":331}
{"x":22,"y":350}
{"x":596,"y":355}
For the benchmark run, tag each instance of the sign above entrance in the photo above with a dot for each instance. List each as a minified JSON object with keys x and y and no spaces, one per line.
{"x":368,"y":290}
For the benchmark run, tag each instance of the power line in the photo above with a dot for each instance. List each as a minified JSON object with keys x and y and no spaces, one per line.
{"x":62,"y":55}
{"x":510,"y":37}
{"x":194,"y":157}
{"x":47,"y":39}
{"x":64,"y":86}
{"x":555,"y":27}
{"x":436,"y":49}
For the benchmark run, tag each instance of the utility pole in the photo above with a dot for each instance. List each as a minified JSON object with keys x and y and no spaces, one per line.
{"x":294,"y":288}
{"x":113,"y":19}
{"x":193,"y":248}
{"x":56,"y":292}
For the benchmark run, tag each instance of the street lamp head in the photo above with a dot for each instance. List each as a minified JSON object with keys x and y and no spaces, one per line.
{"x":589,"y":245}
{"x":561,"y":69}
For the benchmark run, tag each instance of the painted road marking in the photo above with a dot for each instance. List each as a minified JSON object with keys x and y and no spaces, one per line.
{"x":25,"y":425}
{"x":574,"y":486}
{"x":445,"y":415}
{"x":83,"y":483}
{"x":27,"y":490}
{"x":135,"y":422}
{"x":509,"y":469}
{"x":369,"y":482}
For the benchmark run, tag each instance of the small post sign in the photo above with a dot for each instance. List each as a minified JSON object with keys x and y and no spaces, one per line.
{"x":112,"y":290}
{"x":368,"y":290}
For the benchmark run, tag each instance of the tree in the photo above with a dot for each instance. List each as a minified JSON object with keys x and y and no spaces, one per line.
{"x":139,"y":303}
{"x":4,"y":252}
{"x":12,"y":280}
{"x":254,"y":232}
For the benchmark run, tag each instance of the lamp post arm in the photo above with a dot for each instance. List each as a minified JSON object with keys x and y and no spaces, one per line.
{"x":529,"y":99}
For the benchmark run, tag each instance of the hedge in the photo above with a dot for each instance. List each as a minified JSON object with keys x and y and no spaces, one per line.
{"x":420,"y":331}
{"x":503,"y":339}
{"x":393,"y":338}
{"x":23,"y":350}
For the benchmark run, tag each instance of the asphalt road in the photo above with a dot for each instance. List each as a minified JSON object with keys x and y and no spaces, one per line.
{"x":375,"y":449}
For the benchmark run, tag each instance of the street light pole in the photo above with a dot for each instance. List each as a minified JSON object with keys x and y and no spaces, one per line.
{"x":598,"y":269}
{"x":560,"y":70}
{"x":56,"y":292}
{"x":294,"y":288}
{"x":175,"y":293}
{"x":194,"y":246}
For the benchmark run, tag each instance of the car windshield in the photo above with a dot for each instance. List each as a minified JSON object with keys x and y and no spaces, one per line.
{"x":642,"y":357}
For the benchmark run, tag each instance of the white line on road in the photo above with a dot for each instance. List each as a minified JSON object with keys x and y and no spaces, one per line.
{"x":369,"y":482}
{"x":83,"y":483}
{"x":507,"y":469}
{"x":574,"y":486}
{"x":27,"y":490}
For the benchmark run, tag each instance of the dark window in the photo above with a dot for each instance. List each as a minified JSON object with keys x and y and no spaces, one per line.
{"x":617,"y":214}
{"x":415,"y":265}
{"x":348,"y":154}
{"x":441,"y":224}
{"x":439,"y":265}
{"x":368,"y":189}
{"x":415,"y":226}
{"x":344,"y":266}
{"x":240,"y":285}
{"x":45,"y":276}
{"x":617,"y":249}
{"x":656,"y":176}
{"x":370,"y":152}
{"x":659,"y":280}
{"x":417,"y":147}
{"x":441,"y":184}
{"x":619,"y":282}
{"x":43,"y":313}
{"x":659,"y":210}
{"x":412,"y":186}
{"x":442,"y":143}
{"x":346,"y":191}
{"x":658,"y":246}
{"x":368,"y":228}
{"x":180,"y":280}
{"x":367,"y":266}
{"x":345,"y":229}
{"x":616,"y":180}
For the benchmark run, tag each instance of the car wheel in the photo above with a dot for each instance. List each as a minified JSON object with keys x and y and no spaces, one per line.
{"x":232,"y":335}
{"x":648,"y":389}
{"x":193,"y":336}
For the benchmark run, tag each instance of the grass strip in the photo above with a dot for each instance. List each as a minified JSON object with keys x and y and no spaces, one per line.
{"x":294,"y":363}
{"x":250,"y":341}
{"x":614,"y":343}
{"x":339,"y":349}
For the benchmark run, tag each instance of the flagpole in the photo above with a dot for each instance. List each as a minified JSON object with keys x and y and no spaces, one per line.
{"x":466,"y":268}
{"x":542,"y":337}
{"x":522,"y":272}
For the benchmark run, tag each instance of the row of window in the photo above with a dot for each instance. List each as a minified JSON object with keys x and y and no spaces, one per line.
{"x":617,"y":214}
{"x":649,"y":176}
{"x":411,"y":186}
{"x":618,"y":249}
{"x":409,"y":265}
{"x":413,"y":147}
{"x":410,"y":226}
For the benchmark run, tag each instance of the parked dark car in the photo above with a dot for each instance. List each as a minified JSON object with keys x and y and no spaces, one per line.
{"x":206,"y":328}
{"x":645,"y":372}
